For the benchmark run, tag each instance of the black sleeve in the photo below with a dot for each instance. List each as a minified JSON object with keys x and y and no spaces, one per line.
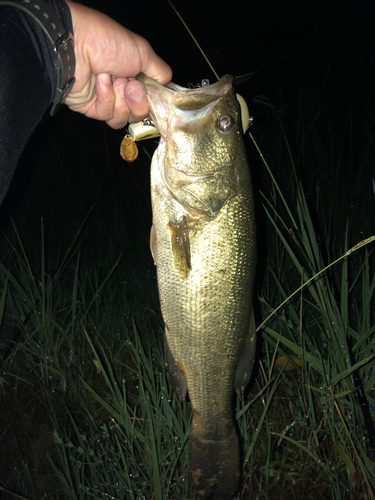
{"x":27,"y":81}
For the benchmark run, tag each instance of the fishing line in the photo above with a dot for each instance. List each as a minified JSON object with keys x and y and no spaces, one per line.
{"x":195,"y":41}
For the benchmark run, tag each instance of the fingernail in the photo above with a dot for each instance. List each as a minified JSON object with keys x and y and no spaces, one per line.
{"x":121,"y":89}
{"x":106,"y":79}
{"x":136,"y":93}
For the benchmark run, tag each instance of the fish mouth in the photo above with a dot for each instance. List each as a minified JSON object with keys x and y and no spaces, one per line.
{"x":182,"y":104}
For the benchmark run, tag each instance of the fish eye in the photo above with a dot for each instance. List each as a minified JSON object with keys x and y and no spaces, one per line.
{"x":225,"y":123}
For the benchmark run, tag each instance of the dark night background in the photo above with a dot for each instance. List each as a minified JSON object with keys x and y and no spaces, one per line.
{"x":71,"y":161}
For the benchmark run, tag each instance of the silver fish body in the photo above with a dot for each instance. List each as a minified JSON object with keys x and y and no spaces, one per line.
{"x":204,"y":247}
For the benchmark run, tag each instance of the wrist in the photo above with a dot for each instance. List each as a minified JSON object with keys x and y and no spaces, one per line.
{"x":60,"y":41}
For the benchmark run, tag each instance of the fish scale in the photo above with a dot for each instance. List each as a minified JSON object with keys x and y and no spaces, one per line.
{"x":204,"y":247}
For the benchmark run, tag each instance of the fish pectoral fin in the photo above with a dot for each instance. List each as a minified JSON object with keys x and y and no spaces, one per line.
{"x":153,"y":244}
{"x":177,"y":372}
{"x":246,"y":363}
{"x":180,"y":247}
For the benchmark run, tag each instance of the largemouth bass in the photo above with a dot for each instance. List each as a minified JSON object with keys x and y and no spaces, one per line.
{"x":204,"y":247}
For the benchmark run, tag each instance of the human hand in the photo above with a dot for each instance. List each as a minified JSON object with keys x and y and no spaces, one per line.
{"x":104,"y":49}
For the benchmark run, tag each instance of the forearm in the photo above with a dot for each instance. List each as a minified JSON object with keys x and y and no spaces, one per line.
{"x":27,"y":81}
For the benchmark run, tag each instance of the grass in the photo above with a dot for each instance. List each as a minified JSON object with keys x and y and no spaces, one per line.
{"x":113,"y":425}
{"x":325,"y":334}
{"x":87,"y":407}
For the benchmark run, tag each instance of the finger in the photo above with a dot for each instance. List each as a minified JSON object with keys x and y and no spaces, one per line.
{"x":136,"y":100}
{"x":105,"y":102}
{"x":131,"y":103}
{"x":158,"y":69}
{"x":121,"y":111}
{"x":84,"y":99}
{"x":150,"y":63}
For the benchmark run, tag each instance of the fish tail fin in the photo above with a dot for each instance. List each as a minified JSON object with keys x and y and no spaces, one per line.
{"x":215,"y":465}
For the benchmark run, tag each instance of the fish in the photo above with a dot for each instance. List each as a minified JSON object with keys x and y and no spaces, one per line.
{"x":203,"y":241}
